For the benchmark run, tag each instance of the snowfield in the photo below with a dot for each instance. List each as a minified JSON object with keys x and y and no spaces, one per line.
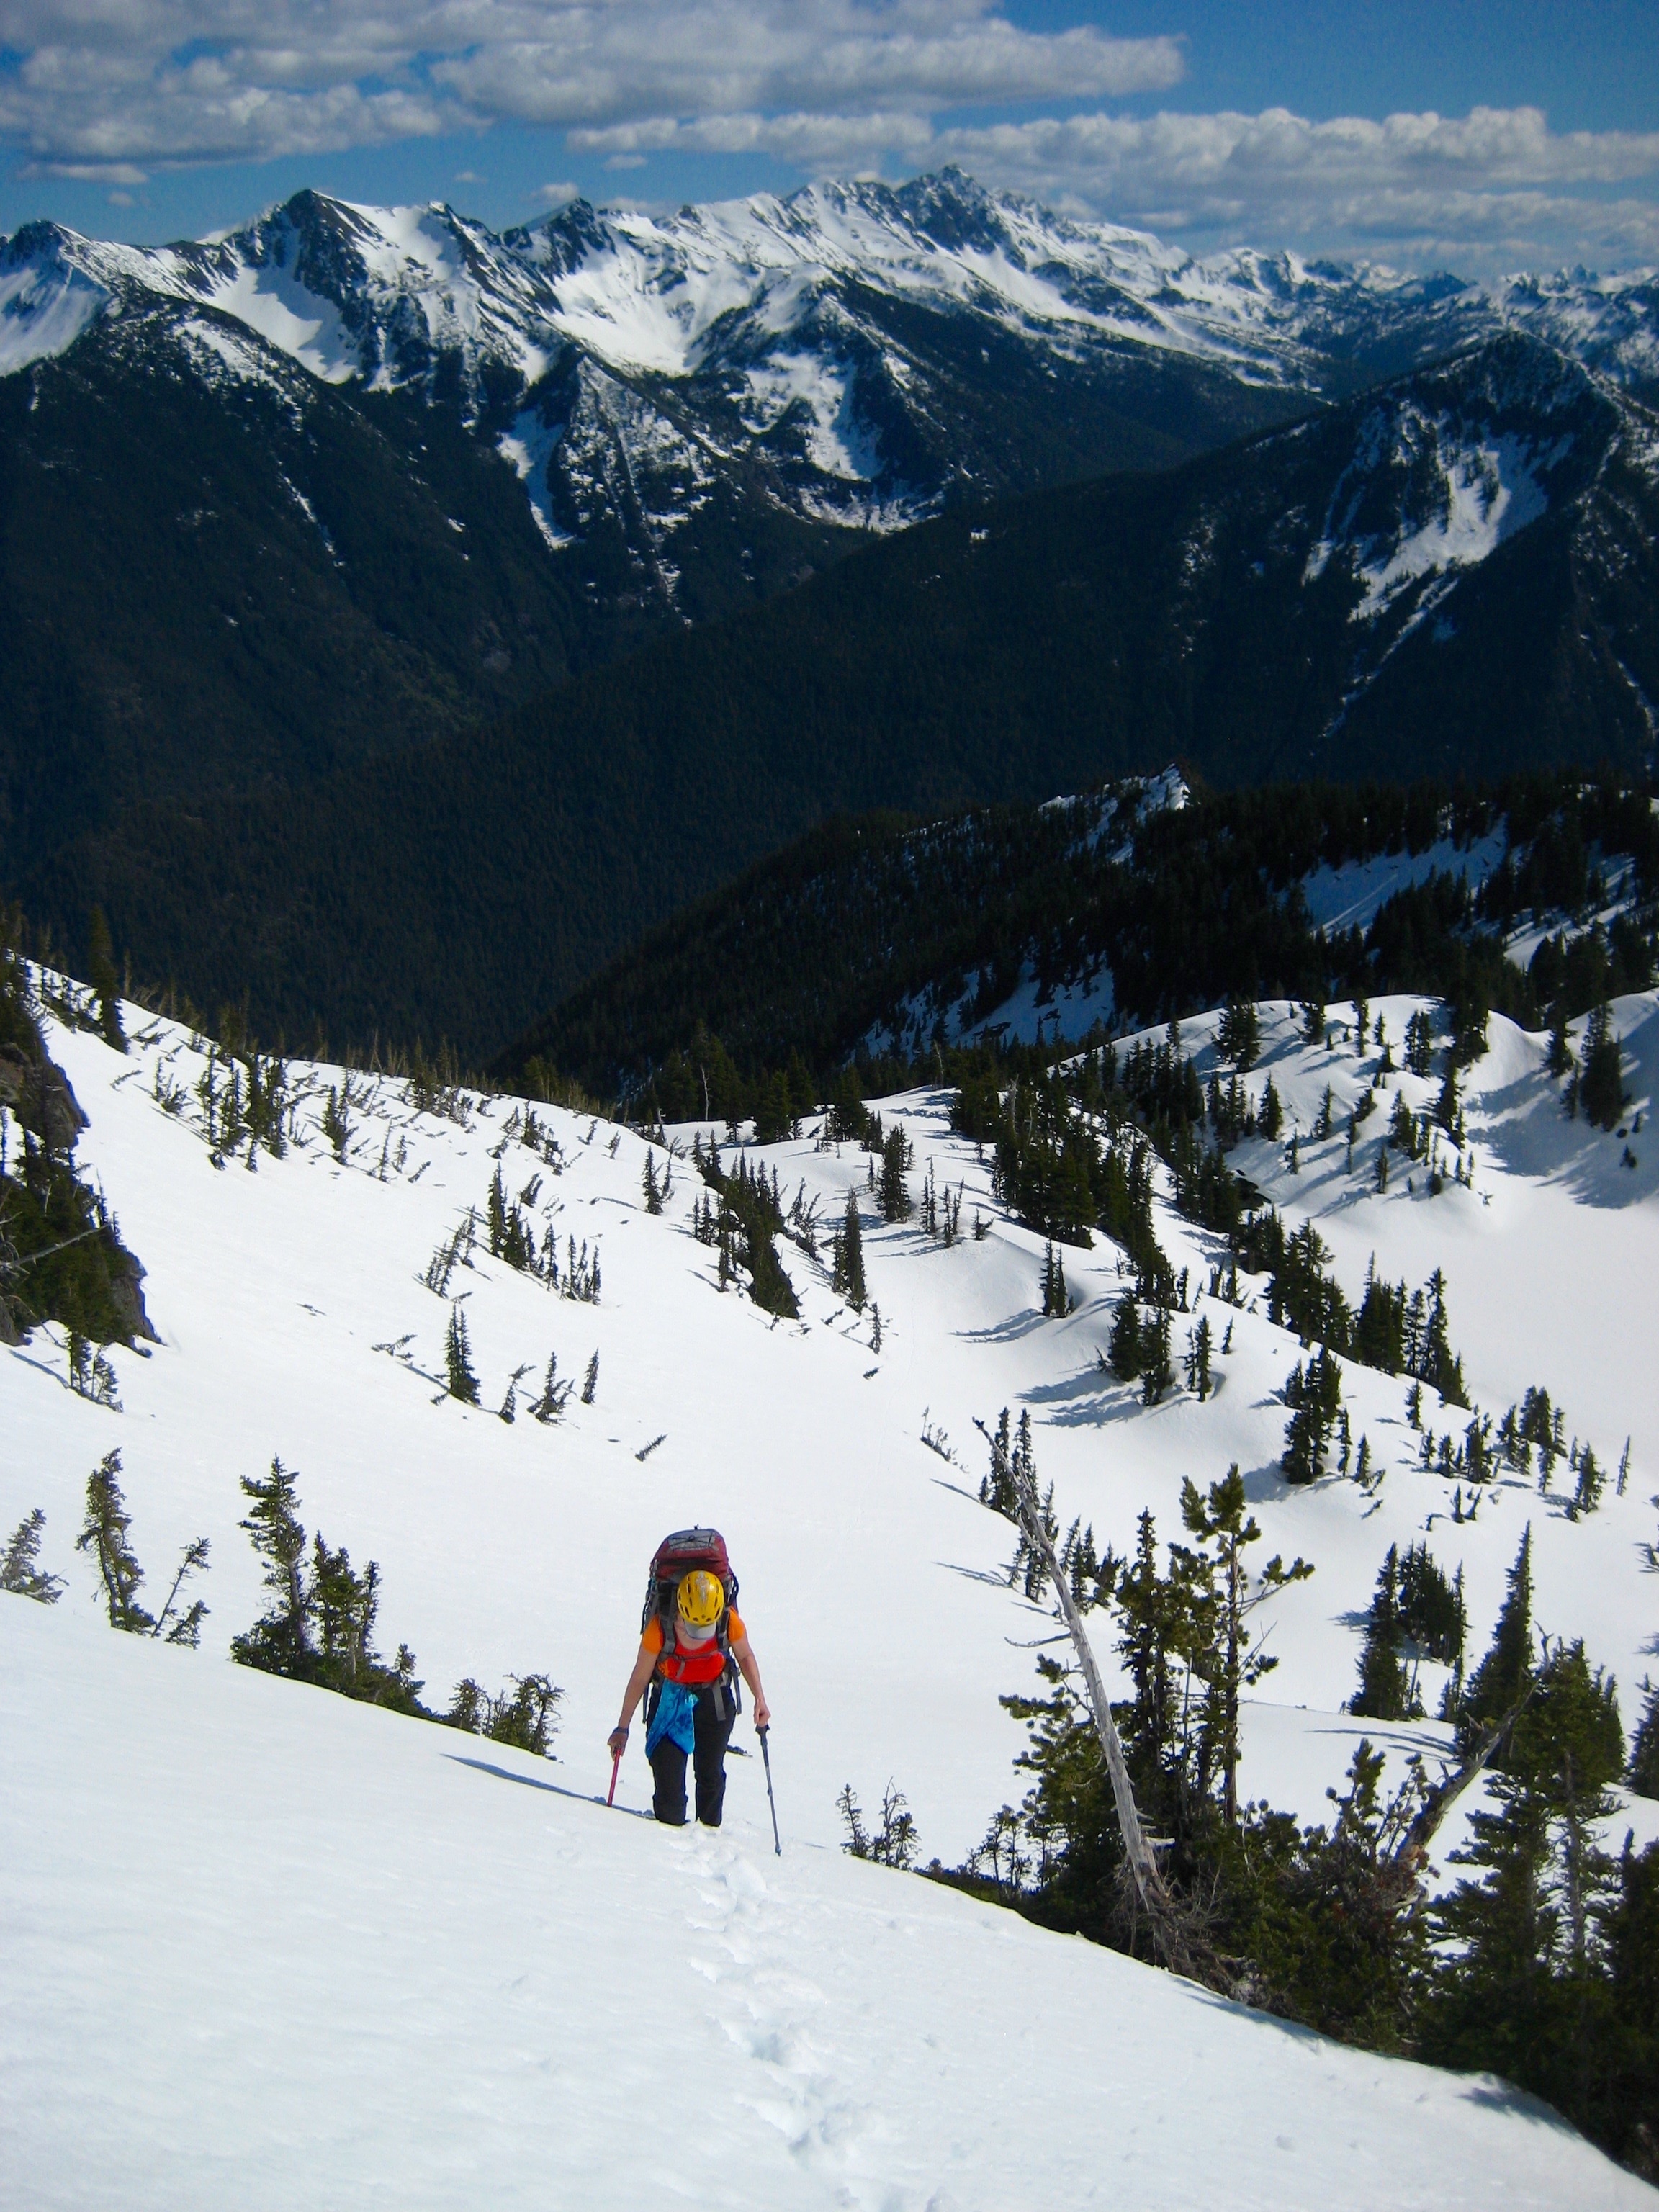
{"x":310,"y":1953}
{"x":262,"y":1947}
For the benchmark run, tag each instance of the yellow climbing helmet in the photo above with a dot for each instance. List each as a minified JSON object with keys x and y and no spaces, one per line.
{"x":701,"y":1601}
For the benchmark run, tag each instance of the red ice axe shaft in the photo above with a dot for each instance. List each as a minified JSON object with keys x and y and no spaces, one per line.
{"x":610,"y":1794}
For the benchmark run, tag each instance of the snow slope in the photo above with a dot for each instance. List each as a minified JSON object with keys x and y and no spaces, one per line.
{"x":294,"y":1321}
{"x":262,"y":1947}
{"x":424,"y":1981}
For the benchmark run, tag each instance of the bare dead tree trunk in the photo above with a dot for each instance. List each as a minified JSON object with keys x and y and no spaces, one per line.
{"x":1142,"y":1864}
{"x":1175,"y":1946}
{"x":1408,"y":1859}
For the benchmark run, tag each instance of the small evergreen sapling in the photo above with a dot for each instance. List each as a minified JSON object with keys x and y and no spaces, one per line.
{"x":893,"y":1843}
{"x":1199,"y":1350}
{"x":19,"y":1570}
{"x":846,"y":1276}
{"x":555,"y":1394}
{"x":463,"y":1384}
{"x":105,"y":1535}
{"x":591,"y":1380}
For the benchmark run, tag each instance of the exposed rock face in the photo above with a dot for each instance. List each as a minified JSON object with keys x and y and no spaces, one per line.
{"x":38,"y":1094}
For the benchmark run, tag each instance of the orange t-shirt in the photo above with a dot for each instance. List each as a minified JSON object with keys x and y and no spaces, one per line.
{"x":652,"y":1639}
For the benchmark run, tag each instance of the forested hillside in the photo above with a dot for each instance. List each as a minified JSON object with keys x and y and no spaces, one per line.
{"x":883,"y":938}
{"x":1454,"y":575}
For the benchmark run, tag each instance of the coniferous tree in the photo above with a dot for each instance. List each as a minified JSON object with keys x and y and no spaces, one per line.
{"x":1642,"y":1774}
{"x":1126,"y":1351}
{"x":1385,"y":1690}
{"x":1586,"y":1492}
{"x":1270,"y":1116}
{"x":1238,"y":1038}
{"x":1600,"y":1083}
{"x":1519,"y":1985}
{"x":1199,"y":1349}
{"x":1501,"y":1675}
{"x":653,"y":1189}
{"x":591,"y":1380}
{"x":19,"y":1570}
{"x":1056,"y":1300}
{"x":105,"y":1535}
{"x":1313,"y":1022}
{"x":101,"y":973}
{"x":1156,"y":1373}
{"x":186,"y":1629}
{"x":1223,"y":1602}
{"x":1448,"y":1107}
{"x":1431,"y":1611}
{"x":846,"y":1276}
{"x":463,"y":1384}
{"x":279,"y":1643}
{"x":893,"y":1193}
{"x":1315,"y":1396}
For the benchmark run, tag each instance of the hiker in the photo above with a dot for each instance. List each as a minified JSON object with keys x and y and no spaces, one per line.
{"x":690,"y":1651}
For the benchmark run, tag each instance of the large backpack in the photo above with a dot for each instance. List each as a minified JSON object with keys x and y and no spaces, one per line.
{"x":676,"y":1557}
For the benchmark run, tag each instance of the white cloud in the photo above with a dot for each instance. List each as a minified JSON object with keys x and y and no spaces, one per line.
{"x":1496,"y":182}
{"x":177,"y":81}
{"x":112,"y":90}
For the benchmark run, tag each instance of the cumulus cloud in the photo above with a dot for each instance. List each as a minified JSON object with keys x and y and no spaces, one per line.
{"x":158,"y":81}
{"x":111,"y":90}
{"x":1494,"y":183}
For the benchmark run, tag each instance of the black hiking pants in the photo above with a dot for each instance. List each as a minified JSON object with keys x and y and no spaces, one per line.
{"x":712,"y":1721}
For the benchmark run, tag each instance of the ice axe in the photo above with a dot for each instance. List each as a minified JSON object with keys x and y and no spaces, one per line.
{"x":776,"y":1843}
{"x":610,"y":1794}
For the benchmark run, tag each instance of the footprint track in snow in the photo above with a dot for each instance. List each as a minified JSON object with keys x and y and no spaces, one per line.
{"x":793,"y":2077}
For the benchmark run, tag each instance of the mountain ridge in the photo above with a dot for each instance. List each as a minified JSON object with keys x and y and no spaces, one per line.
{"x":1046,"y":644}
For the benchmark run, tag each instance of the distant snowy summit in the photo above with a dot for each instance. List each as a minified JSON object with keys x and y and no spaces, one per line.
{"x":869,"y":352}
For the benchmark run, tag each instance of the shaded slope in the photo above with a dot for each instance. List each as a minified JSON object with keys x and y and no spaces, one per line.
{"x":1454,"y":575}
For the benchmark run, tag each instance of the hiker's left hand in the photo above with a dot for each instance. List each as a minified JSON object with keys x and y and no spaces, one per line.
{"x":762,"y":1713}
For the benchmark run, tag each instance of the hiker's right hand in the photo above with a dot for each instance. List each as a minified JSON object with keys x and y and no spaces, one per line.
{"x":618,"y":1742}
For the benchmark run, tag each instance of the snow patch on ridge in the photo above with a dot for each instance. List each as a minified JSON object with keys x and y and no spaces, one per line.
{"x":45,"y":306}
{"x":1490,"y":492}
{"x":1350,"y":896}
{"x":297,"y":321}
{"x":528,"y":446}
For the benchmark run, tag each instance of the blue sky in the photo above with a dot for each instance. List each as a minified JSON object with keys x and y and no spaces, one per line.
{"x":1475,"y":134}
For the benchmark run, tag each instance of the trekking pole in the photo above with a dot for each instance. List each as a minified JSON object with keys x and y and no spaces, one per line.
{"x":611,"y":1795}
{"x":776,"y":1843}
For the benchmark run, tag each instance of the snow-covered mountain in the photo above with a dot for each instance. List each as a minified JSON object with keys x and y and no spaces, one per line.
{"x":833,"y":339}
{"x":251,"y":1902}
